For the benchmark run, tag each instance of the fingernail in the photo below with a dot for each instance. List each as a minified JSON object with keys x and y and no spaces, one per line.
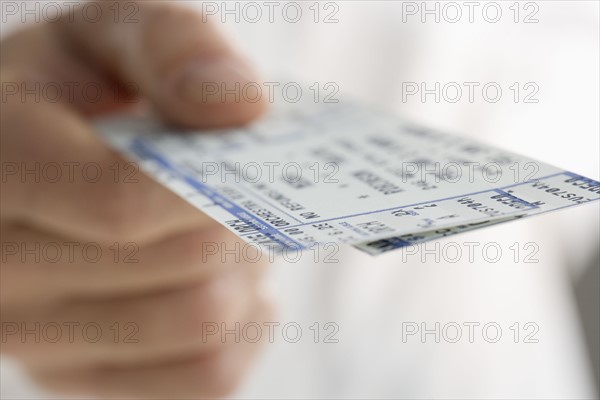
{"x":212,"y":82}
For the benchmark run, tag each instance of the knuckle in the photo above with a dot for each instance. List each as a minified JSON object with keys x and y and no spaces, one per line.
{"x":215,"y":302}
{"x":120,"y":211}
{"x":128,"y":211}
{"x":214,"y":247}
{"x":192,"y":246}
{"x":220,"y":379}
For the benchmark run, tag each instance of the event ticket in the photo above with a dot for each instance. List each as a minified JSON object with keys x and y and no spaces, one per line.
{"x":313,"y":174}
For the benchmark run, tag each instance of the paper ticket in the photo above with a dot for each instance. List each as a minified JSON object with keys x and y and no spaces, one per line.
{"x":313,"y":174}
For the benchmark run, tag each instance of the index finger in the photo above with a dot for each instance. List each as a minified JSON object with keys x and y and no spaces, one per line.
{"x":180,"y":60}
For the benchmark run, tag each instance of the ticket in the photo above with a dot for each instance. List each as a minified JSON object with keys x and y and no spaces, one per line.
{"x":313,"y":174}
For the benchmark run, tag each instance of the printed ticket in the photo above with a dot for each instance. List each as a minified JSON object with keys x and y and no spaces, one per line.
{"x":312,"y":174}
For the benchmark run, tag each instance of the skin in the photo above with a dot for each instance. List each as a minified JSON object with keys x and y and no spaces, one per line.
{"x":174,"y":288}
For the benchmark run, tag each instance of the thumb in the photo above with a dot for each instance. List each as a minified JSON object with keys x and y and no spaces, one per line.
{"x":179,"y":60}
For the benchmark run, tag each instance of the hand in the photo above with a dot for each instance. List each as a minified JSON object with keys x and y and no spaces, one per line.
{"x":105,"y":288}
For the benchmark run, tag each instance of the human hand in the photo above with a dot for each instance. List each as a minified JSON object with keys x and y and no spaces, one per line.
{"x":152,"y":289}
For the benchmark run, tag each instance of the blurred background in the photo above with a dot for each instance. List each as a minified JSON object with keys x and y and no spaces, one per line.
{"x":372,"y":50}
